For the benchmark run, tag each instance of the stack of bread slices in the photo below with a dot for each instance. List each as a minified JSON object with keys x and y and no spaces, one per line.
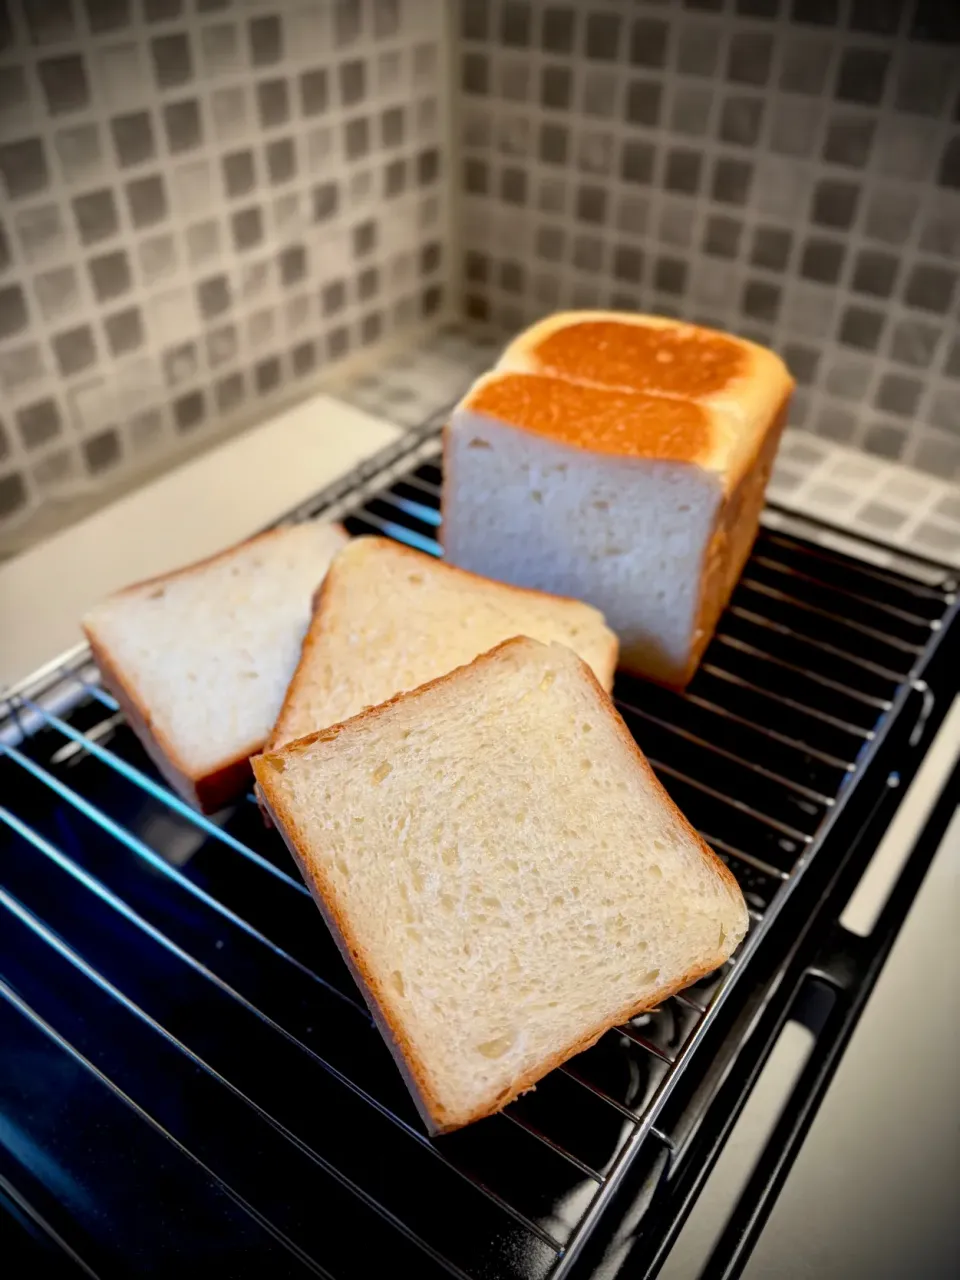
{"x":501,"y":869}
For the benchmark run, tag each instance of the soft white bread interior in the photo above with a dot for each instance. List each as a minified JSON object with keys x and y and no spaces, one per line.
{"x":502,"y":871}
{"x":388,"y":619}
{"x":624,"y":534}
{"x":200,"y":659}
{"x":642,"y":499}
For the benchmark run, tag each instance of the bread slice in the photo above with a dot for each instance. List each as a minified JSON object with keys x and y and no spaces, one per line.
{"x":200,"y":659}
{"x":389,"y":619}
{"x":502,"y":871}
{"x":621,"y":460}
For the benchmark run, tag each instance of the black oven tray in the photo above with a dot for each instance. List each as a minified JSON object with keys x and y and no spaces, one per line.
{"x":189,"y":1081}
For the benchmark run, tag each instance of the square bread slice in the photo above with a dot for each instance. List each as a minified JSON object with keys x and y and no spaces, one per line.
{"x":388,"y":619}
{"x":502,"y":871}
{"x":200,"y":659}
{"x":622,"y":461}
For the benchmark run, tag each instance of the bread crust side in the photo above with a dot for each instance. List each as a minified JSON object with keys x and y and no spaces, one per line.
{"x":437,"y":1118}
{"x":766,"y":370}
{"x":738,"y":522}
{"x":735,"y":531}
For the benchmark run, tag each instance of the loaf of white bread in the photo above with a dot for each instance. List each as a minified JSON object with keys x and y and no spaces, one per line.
{"x":502,"y":871}
{"x":200,"y":659}
{"x":622,"y":460}
{"x":388,"y":619}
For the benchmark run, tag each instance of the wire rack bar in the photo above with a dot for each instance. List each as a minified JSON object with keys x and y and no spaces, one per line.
{"x":117,"y":904}
{"x":37,"y":927}
{"x":410,"y":467}
{"x":165,"y":796}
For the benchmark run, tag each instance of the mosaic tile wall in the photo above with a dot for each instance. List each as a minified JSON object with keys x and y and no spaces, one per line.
{"x":789,"y":169}
{"x":204,"y":204}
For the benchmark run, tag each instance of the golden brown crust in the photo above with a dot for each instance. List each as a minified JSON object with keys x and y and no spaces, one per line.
{"x":595,"y":418}
{"x":737,"y":381}
{"x":411,"y":1065}
{"x":735,"y":532}
{"x":733,"y":535}
{"x":615,"y":351}
{"x":726,"y":553}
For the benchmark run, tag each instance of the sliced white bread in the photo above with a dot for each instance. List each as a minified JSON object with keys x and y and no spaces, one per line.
{"x":200,"y":659}
{"x":502,"y":871}
{"x":388,"y":619}
{"x":641,"y":494}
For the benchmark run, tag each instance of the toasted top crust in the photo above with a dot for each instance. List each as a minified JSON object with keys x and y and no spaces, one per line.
{"x":740,"y":386}
{"x":601,"y":419}
{"x":640,"y":353}
{"x":637,"y":353}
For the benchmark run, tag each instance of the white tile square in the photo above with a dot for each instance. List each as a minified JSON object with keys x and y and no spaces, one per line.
{"x":120,"y":75}
{"x":173,"y":316}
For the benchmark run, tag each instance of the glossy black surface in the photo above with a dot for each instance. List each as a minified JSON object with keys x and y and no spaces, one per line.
{"x":188,"y":1076}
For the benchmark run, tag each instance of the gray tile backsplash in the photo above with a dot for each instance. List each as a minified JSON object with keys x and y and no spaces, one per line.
{"x":204,"y":205}
{"x":789,"y":169}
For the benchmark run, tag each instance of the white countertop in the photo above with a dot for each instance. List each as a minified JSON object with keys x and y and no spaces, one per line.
{"x":873,"y":1191}
{"x":189,"y":513}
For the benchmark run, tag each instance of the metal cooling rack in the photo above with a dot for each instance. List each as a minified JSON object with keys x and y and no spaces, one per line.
{"x":173,"y":970}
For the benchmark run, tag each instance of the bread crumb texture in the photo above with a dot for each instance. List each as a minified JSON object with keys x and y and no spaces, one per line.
{"x":389,"y":619}
{"x":507,"y":873}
